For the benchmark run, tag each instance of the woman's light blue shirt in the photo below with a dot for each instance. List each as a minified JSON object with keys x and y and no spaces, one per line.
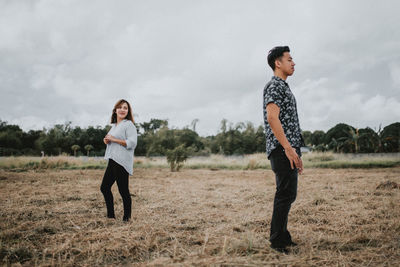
{"x":125,"y":130}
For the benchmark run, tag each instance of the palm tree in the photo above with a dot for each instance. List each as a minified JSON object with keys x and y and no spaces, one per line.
{"x":194,"y":123}
{"x":88,"y":148}
{"x":369,"y":140}
{"x":352,"y":139}
{"x":75,"y":148}
{"x":335,"y":145}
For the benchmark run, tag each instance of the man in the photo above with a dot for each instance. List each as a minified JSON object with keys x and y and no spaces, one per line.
{"x":284,"y":140}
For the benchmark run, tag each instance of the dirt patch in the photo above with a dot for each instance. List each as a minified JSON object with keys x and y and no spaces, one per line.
{"x":388,"y":185}
{"x":198,"y":217}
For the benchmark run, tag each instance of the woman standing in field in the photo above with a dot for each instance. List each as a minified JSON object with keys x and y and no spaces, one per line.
{"x":121,"y":141}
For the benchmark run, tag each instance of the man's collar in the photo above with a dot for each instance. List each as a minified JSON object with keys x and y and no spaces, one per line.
{"x":279,"y":79}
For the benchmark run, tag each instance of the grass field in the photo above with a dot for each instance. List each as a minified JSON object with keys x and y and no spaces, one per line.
{"x":199,"y":217}
{"x":246,"y":162}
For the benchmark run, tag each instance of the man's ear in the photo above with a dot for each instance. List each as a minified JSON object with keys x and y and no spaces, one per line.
{"x":277,"y":63}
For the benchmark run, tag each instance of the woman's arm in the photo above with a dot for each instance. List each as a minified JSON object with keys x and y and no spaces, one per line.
{"x":131,"y":136}
{"x":109,"y":138}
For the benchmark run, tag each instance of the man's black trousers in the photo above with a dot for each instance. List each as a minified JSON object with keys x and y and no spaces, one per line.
{"x":116,"y":172}
{"x":285,"y":195}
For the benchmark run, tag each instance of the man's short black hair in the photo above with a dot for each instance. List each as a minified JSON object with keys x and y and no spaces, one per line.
{"x":276,"y":53}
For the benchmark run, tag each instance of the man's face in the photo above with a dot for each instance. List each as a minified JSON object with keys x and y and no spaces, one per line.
{"x":285,"y":64}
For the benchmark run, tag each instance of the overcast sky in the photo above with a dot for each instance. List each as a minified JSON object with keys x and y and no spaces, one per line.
{"x":183,"y":60}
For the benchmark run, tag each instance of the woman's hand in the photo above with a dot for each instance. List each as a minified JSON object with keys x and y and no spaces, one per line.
{"x":108,"y":139}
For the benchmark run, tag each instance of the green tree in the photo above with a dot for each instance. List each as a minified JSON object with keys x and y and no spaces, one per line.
{"x":161,"y":141}
{"x":351,"y":142}
{"x":193,"y":124}
{"x":369,"y":141}
{"x":317,"y":138}
{"x":55,"y":141}
{"x":88,"y":148}
{"x":320,"y":147}
{"x":75,"y":148}
{"x":390,"y":137}
{"x":343,"y":135}
{"x":229,"y":140}
{"x":11,"y":138}
{"x":29,"y":142}
{"x":260,"y":139}
{"x":242,"y":138}
{"x":224,"y":123}
{"x":149,"y":142}
{"x":95,"y":137}
{"x":249,"y":138}
{"x":188,"y":138}
{"x":307,"y":136}
{"x":153,"y":125}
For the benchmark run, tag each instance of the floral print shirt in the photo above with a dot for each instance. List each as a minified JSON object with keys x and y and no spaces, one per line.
{"x":277,"y":91}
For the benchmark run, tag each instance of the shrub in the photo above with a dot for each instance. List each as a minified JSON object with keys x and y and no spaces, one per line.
{"x":176,"y":157}
{"x":322,"y":157}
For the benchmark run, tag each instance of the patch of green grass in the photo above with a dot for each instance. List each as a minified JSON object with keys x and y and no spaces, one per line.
{"x":20,"y":164}
{"x":215,"y":166}
{"x":247,"y":162}
{"x":355,"y":165}
{"x":321,"y":158}
{"x":85,"y":167}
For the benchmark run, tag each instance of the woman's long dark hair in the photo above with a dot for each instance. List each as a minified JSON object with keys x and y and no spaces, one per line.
{"x":129,"y":116}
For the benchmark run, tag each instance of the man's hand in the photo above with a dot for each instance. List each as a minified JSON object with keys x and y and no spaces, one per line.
{"x":273,"y":119}
{"x":295,"y":160}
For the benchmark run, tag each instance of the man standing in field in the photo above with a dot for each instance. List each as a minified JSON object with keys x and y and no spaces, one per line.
{"x":284,"y":139}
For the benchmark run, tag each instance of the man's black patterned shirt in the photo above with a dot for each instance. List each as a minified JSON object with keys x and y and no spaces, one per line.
{"x":277,"y":91}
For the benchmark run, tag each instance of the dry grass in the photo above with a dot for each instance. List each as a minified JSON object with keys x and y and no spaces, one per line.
{"x":246,"y":162}
{"x":259,"y":161}
{"x":58,"y":162}
{"x":200,"y":218}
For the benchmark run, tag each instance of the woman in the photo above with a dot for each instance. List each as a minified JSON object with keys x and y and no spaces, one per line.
{"x":121,"y":141}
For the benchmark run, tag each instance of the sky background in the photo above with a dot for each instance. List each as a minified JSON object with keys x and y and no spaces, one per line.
{"x":182,"y":60}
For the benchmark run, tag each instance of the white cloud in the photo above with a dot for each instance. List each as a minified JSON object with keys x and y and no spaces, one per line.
{"x":179,"y":60}
{"x":395,"y":75}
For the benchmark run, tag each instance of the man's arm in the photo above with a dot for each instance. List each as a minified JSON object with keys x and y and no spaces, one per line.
{"x":276,"y":127}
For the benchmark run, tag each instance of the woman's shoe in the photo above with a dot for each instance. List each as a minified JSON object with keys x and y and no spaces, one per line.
{"x":280,"y":249}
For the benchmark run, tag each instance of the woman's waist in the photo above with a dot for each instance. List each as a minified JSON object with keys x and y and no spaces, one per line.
{"x":119,"y":150}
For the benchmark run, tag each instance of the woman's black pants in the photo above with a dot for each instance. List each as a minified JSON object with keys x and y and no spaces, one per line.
{"x":285,"y":195}
{"x":116,"y":172}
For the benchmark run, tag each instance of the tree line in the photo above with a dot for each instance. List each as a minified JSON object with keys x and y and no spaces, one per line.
{"x":157,"y":138}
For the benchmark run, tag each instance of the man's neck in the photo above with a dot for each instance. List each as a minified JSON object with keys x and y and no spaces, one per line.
{"x":281,"y":75}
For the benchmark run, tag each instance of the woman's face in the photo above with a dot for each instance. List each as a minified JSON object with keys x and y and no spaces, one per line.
{"x":122,"y":111}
